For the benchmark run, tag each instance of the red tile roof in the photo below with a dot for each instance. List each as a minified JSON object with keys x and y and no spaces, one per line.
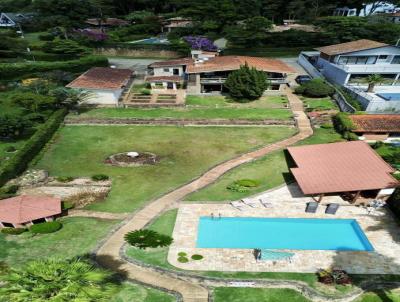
{"x":226,"y":63}
{"x":357,"y":45}
{"x":340,"y":167}
{"x":377,"y":123}
{"x":25,"y":208}
{"x":102,"y":78}
{"x":164,"y":79}
{"x":177,"y":62}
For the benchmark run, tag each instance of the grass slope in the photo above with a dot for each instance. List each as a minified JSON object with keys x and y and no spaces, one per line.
{"x":222,"y":294}
{"x":139,"y":293}
{"x":77,"y":237}
{"x":185,"y":152}
{"x":271,"y":170}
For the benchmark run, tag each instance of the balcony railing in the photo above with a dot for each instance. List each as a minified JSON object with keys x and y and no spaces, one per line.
{"x":373,"y":68}
{"x":222,"y":80}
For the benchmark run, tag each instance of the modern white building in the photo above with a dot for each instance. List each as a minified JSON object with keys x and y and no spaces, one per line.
{"x":106,"y":85}
{"x":368,"y":9}
{"x":349,"y":64}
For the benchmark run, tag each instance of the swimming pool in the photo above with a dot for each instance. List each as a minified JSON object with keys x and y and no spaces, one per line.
{"x":390,"y":96}
{"x":151,"y":41}
{"x":282,"y":233}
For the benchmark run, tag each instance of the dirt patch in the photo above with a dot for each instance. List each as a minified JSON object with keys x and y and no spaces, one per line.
{"x":124,"y":160}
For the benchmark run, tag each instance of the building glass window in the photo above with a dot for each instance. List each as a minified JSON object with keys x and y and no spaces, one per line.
{"x":166,"y":69}
{"x":396,"y":60}
{"x":357,"y":60}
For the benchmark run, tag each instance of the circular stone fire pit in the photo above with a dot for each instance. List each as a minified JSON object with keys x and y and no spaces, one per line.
{"x":131,"y":159}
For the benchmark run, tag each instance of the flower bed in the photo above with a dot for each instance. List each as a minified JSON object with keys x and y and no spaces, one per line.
{"x":124,"y":160}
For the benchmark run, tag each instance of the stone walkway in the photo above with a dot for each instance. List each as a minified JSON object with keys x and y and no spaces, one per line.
{"x":109,"y":253}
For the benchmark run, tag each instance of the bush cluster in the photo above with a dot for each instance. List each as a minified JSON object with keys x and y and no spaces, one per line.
{"x":344,"y":126}
{"x":64,"y":178}
{"x":336,"y":276}
{"x":8,"y":191}
{"x":243,"y":185}
{"x":13,"y":70}
{"x":100,"y":177}
{"x":316,"y":88}
{"x":32,"y":147}
{"x":147,"y":238}
{"x":46,"y":227}
{"x":13,"y":231}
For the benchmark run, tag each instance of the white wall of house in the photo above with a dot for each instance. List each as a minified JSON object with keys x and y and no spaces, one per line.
{"x":168,"y":71}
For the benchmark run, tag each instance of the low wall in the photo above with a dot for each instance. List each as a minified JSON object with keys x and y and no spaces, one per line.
{"x":138,"y":53}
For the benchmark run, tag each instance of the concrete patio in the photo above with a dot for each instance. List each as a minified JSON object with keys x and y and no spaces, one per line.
{"x":380,"y":227}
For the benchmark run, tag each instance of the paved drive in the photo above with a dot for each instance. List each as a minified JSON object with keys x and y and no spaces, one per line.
{"x":108,"y":254}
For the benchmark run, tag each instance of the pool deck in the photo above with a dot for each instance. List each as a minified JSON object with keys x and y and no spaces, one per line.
{"x":380,"y":227}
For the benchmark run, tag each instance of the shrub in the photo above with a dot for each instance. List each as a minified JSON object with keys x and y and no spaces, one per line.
{"x":13,"y":126}
{"x":64,"y":178}
{"x":14,"y":70}
{"x":147,"y":238}
{"x":13,"y":231}
{"x":243,"y":185}
{"x":327,"y":126}
{"x":32,"y":147}
{"x":10,"y":149}
{"x":248,"y":183}
{"x":344,"y":126}
{"x":46,"y":227}
{"x":335,"y":276}
{"x":197,"y":257}
{"x":11,"y":189}
{"x":315,"y":88}
{"x":183,"y":259}
{"x":145,"y":91}
{"x":182,"y":254}
{"x":65,"y":205}
{"x":100,"y":177}
{"x":246,"y":84}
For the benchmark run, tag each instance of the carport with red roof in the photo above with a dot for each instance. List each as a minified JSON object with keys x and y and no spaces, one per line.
{"x":344,"y":167}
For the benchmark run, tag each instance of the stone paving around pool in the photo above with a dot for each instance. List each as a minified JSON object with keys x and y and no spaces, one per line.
{"x":380,"y":227}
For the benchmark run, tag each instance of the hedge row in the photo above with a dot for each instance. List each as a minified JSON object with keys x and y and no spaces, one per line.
{"x":13,"y":70}
{"x":19,"y":162}
{"x":344,"y":126}
{"x":44,"y":56}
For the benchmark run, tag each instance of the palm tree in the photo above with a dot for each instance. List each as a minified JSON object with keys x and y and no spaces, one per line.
{"x":57,"y":280}
{"x":372,"y":80}
{"x":71,"y":97}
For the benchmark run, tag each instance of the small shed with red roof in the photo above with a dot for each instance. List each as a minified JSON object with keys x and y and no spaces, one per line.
{"x":25,"y":210}
{"x":376,"y":127}
{"x":344,"y":167}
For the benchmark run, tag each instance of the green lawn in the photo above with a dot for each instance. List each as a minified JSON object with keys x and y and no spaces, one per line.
{"x":214,"y":107}
{"x":271,"y":170}
{"x":380,"y":296}
{"x":139,"y":293}
{"x":232,"y":294}
{"x":185,"y":153}
{"x":319,"y":104}
{"x":77,"y":237}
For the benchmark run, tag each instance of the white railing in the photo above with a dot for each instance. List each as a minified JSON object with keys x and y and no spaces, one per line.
{"x":374,"y":68}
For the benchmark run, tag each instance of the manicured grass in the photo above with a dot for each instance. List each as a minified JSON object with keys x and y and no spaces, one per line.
{"x":185,"y":153}
{"x":33,"y":38}
{"x":210,"y":107}
{"x":232,"y":294}
{"x":380,"y":296}
{"x":271,"y":170}
{"x":77,"y":237}
{"x":139,"y":293}
{"x":319,"y":104}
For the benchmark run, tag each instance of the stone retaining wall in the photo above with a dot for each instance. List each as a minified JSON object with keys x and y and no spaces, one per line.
{"x":138,"y":53}
{"x":136,"y":121}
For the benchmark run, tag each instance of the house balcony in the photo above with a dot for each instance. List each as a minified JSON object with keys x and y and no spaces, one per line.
{"x":370,"y":68}
{"x":221,"y":80}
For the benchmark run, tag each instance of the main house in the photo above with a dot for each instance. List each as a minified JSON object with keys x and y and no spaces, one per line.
{"x":206,"y":72}
{"x":349,"y":64}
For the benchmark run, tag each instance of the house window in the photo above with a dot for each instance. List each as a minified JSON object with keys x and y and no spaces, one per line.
{"x":166,"y":69}
{"x":383,"y":57}
{"x":357,"y":60}
{"x":396,"y":60}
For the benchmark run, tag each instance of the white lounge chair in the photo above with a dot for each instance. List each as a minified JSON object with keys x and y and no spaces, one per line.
{"x":265,"y":203}
{"x":251,"y":202}
{"x":238,"y":205}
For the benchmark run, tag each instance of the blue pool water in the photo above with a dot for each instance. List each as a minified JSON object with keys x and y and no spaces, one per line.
{"x":390,"y":96}
{"x":282,"y":233}
{"x":151,"y":41}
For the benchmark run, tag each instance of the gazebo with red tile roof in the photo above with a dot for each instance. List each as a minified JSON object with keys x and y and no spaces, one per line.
{"x":340,"y":168}
{"x":26,"y":209}
{"x":376,"y":126}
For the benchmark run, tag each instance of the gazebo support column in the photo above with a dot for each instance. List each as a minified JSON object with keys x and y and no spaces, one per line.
{"x":320,"y":197}
{"x":356,"y":196}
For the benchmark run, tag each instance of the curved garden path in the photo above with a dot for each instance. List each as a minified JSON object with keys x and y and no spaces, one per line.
{"x":108,"y":254}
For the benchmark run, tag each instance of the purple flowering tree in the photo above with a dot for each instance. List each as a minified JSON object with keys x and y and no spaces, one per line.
{"x":201,"y":43}
{"x":93,"y":34}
